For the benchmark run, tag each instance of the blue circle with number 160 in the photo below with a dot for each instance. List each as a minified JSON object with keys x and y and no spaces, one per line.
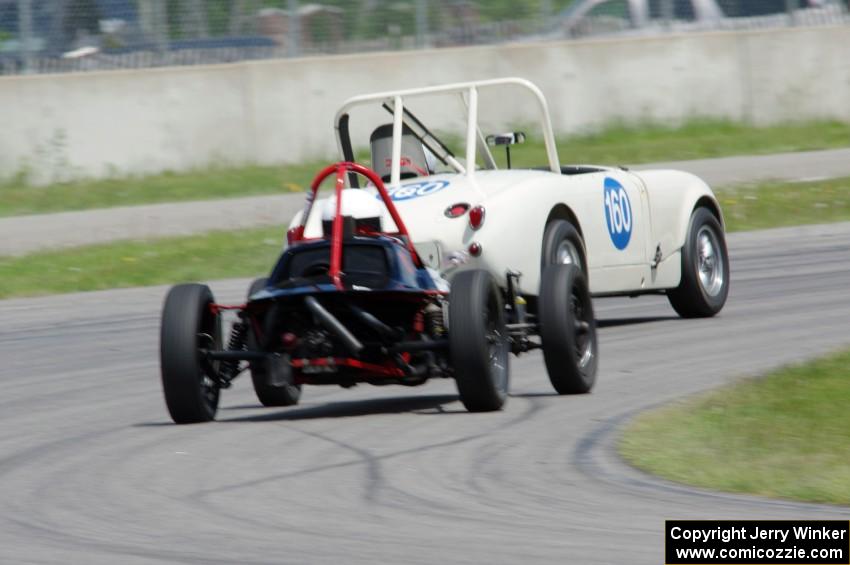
{"x":618,"y":213}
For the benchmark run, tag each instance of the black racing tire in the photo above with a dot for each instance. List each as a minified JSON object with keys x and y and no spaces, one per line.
{"x":282,"y":393}
{"x":478,"y":341}
{"x":704,"y":285}
{"x":562,"y":244}
{"x":188,"y":324}
{"x":568,"y":329}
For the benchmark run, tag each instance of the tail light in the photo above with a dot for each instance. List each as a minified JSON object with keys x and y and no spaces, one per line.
{"x":456,"y":210}
{"x":476,"y":217}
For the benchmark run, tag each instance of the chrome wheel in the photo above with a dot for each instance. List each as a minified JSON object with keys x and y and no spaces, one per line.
{"x":704,"y":284}
{"x":710,"y":267}
{"x":567,"y":254}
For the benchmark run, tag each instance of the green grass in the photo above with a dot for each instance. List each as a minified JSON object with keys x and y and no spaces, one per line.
{"x":18,"y":198}
{"x":142,"y":263}
{"x":696,"y":139}
{"x":615,"y":145}
{"x":252,"y":251}
{"x":769,"y":205}
{"x":784,"y":435}
{"x":702,"y":139}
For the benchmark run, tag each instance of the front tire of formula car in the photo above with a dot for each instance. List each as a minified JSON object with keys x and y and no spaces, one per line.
{"x":272,"y":379}
{"x":704,"y":285}
{"x":562,"y":245}
{"x":568,"y":329}
{"x":188,"y":325}
{"x":478,"y":341}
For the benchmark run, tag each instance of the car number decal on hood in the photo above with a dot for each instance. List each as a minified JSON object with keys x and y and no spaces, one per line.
{"x":618,"y":213}
{"x":417,"y":189}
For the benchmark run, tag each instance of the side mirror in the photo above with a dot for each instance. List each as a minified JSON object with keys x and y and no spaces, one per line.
{"x":510,"y":138}
{"x":506,"y":139}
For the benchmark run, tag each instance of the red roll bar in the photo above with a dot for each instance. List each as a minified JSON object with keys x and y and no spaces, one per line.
{"x":297,"y":234}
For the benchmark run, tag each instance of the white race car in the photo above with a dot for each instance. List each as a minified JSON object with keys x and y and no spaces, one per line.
{"x":631,"y":233}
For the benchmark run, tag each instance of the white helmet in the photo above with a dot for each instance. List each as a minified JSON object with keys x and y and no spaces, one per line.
{"x":357,"y":204}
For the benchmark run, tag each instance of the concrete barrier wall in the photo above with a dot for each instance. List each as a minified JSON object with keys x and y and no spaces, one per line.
{"x":144,"y":121}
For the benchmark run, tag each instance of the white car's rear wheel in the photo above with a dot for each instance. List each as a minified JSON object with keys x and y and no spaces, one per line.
{"x":562,"y":245}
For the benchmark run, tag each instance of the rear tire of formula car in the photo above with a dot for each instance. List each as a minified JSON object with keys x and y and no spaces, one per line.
{"x":704,"y":285}
{"x":478,"y":341}
{"x":568,"y":329}
{"x":562,"y":245}
{"x":188,"y":325}
{"x":278,"y":391}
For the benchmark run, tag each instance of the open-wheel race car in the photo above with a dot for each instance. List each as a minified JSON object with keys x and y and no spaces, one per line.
{"x":356,"y":304}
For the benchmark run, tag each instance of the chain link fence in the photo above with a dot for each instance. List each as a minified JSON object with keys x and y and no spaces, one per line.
{"x":39,"y":36}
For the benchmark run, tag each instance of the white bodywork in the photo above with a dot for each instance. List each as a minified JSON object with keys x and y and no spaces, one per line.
{"x":646,"y":213}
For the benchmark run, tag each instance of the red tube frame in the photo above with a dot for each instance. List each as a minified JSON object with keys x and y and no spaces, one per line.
{"x":341,"y":169}
{"x":374,"y":369}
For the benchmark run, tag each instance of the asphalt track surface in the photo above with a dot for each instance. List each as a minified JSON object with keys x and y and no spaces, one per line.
{"x":92,"y":470}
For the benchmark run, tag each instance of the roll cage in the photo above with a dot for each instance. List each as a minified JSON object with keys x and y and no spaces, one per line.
{"x":296,"y":234}
{"x":394,"y":103}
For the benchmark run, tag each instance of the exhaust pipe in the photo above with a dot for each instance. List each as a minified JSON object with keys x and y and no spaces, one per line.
{"x":373,"y":322}
{"x":329,"y":321}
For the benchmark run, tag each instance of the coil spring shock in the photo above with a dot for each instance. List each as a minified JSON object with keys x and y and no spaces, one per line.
{"x":434,"y":321}
{"x":238,"y":333}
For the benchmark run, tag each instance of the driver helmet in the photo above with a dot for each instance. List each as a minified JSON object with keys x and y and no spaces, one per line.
{"x":416,"y":159}
{"x":359,"y":205}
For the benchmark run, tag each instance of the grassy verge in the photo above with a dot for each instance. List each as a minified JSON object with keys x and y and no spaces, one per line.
{"x":614,"y":145}
{"x":783,"y":435}
{"x":770,"y":205}
{"x":142,"y":263}
{"x":696,"y":139}
{"x":252,"y":251}
{"x":17,"y":198}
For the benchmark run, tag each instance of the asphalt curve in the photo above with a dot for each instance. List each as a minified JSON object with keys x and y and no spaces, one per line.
{"x":92,"y":470}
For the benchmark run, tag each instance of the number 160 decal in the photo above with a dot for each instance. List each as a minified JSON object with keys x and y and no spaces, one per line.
{"x":618,"y":213}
